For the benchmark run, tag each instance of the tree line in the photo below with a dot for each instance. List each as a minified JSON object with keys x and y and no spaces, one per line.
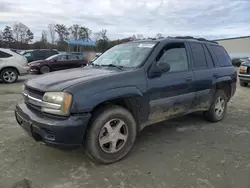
{"x":19,"y":36}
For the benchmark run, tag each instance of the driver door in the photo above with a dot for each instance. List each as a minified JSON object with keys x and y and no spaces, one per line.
{"x":172,"y":93}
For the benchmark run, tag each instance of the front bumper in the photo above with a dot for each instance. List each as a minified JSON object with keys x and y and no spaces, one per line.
{"x":244,"y":77}
{"x":53,"y":131}
{"x":23,"y":70}
{"x":34,"y":69}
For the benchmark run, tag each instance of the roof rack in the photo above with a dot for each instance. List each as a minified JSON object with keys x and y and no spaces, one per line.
{"x":193,"y":38}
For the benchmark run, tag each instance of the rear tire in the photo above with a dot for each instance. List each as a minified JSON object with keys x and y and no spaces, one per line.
{"x":9,"y":75}
{"x":44,"y":69}
{"x":243,"y":84}
{"x":111,"y":134}
{"x":218,"y":107}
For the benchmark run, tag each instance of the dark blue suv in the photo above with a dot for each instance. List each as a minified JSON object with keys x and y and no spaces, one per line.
{"x":103,"y":106}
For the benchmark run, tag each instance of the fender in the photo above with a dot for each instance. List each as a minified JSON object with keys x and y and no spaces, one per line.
{"x":88,"y":104}
{"x":223,"y":79}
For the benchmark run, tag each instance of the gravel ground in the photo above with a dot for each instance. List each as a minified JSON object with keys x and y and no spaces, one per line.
{"x":185,"y":152}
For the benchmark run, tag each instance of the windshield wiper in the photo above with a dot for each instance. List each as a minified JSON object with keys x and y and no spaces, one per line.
{"x":113,"y":65}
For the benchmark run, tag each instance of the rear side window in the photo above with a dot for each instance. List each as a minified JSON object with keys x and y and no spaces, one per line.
{"x":210,"y":61}
{"x":199,"y":58}
{"x":53,"y":52}
{"x":40,"y":54}
{"x":73,"y":57}
{"x":221,"y":55}
{"x":4,"y":54}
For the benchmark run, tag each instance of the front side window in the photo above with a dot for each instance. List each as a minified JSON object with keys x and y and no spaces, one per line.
{"x":175,"y":55}
{"x":4,"y":54}
{"x":127,"y":55}
{"x":53,"y":57}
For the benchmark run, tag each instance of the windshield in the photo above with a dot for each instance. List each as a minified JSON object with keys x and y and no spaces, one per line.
{"x":126,"y":55}
{"x":52,"y":57}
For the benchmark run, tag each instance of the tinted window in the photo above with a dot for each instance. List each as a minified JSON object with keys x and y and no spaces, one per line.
{"x":49,"y":53}
{"x":210,"y":61}
{"x":221,"y":56}
{"x":40,"y":54}
{"x":62,"y":57}
{"x":199,"y":59}
{"x":73,"y":57}
{"x":175,"y":55}
{"x":4,"y":55}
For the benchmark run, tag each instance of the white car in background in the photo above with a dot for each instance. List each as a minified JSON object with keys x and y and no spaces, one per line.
{"x":12,"y":65}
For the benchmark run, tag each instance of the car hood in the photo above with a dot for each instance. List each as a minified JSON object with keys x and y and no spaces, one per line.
{"x":246,"y":63}
{"x":60,"y":80}
{"x":36,"y":62}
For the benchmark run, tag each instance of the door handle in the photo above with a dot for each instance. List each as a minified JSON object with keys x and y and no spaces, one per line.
{"x":189,"y":79}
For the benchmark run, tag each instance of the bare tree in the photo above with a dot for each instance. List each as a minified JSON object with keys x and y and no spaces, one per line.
{"x":52,"y":33}
{"x":22,"y":33}
{"x":44,"y":37}
{"x":84,"y":33}
{"x":75,"y":31}
{"x":139,"y":36}
{"x":159,"y":36}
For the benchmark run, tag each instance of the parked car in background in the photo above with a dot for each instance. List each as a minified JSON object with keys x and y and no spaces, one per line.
{"x":79,"y":54}
{"x":12,"y":65}
{"x":40,"y":54}
{"x":130,"y":86}
{"x":244,"y":73}
{"x":57,"y":62}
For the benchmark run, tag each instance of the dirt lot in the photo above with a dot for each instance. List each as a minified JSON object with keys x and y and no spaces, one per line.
{"x":186,"y":152}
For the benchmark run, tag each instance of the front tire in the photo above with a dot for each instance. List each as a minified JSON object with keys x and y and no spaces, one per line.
{"x":111,"y":135}
{"x":218,"y":107}
{"x":44,"y":69}
{"x":9,"y":75}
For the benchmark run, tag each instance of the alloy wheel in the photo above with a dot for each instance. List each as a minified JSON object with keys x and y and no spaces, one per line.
{"x":9,"y":76}
{"x":113,"y":136}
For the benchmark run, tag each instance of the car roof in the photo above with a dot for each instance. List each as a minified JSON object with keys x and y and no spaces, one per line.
{"x":9,"y":51}
{"x":178,"y":39}
{"x":30,"y":50}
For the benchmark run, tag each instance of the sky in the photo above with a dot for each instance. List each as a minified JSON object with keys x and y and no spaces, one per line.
{"x":123,"y":18}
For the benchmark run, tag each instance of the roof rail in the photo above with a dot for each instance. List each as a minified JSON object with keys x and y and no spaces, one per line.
{"x":193,"y":38}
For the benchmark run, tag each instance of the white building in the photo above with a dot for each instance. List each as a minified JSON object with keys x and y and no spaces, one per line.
{"x":236,"y":47}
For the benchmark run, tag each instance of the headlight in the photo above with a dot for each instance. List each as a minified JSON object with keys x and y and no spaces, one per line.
{"x":243,"y":69}
{"x":57,"y":103}
{"x":23,"y":88}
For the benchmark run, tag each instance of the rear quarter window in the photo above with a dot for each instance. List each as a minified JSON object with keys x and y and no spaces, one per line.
{"x":4,"y":54}
{"x":221,"y":55}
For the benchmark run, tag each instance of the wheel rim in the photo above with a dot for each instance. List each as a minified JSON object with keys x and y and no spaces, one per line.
{"x":45,"y":69}
{"x":113,"y":136}
{"x":219,"y":106}
{"x":9,"y":76}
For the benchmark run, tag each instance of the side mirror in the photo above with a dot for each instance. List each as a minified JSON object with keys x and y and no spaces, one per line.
{"x":54,"y":60}
{"x":158,"y":68}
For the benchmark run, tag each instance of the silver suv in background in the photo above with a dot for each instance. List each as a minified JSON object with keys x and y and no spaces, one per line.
{"x":12,"y":65}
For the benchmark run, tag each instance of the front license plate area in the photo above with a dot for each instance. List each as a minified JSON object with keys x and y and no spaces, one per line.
{"x":24,"y":123}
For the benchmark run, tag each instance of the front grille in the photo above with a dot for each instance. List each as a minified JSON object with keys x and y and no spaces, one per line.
{"x":34,"y":93}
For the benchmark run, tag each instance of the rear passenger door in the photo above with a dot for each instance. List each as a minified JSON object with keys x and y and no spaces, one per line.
{"x":204,"y":72}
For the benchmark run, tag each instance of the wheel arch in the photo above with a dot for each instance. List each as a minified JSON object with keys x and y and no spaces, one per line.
{"x":129,"y":98}
{"x":10,"y":67}
{"x":224,"y":84}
